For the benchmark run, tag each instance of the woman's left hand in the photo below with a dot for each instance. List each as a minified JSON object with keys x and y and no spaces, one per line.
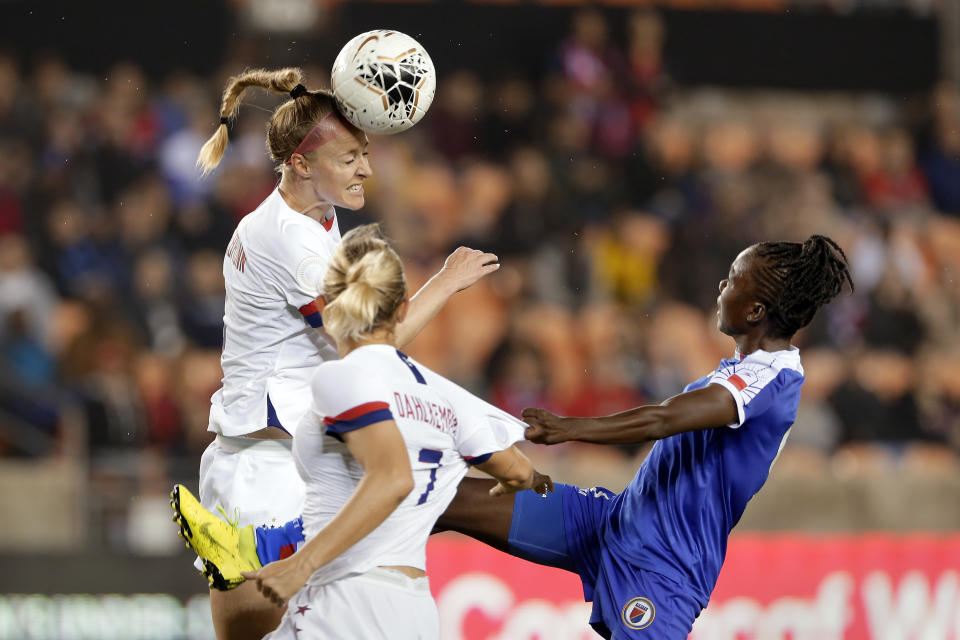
{"x":278,"y":581}
{"x":465,"y":266}
{"x":540,"y":483}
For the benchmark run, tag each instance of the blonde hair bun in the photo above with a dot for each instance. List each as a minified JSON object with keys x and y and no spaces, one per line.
{"x":364,"y":285}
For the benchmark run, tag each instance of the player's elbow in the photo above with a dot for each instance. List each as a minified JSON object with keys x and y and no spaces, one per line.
{"x":403,"y":484}
{"x":661,"y":422}
{"x":394,"y":483}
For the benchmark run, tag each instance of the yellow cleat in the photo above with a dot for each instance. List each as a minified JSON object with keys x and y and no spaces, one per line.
{"x":225,"y":548}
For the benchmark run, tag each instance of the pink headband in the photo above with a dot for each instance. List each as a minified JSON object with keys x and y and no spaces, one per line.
{"x":321,"y":133}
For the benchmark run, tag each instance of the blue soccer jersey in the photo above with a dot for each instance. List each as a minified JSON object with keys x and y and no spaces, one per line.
{"x":675,"y":515}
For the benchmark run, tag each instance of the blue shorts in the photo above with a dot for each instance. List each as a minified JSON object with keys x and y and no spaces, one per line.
{"x":566,"y":530}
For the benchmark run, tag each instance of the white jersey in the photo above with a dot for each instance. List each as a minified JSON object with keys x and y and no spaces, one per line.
{"x":273,"y":271}
{"x":445,"y":428}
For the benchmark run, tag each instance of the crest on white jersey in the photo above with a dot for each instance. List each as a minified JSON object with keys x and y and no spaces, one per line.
{"x":500,"y":432}
{"x":310,"y":273}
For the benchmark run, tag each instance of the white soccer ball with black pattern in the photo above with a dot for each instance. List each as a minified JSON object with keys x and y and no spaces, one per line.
{"x":384,"y":81}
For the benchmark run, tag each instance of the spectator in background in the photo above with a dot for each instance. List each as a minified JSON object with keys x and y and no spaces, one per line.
{"x":896,"y":183}
{"x":591,"y":71}
{"x":155,"y":308}
{"x":99,"y":368}
{"x":78,"y":260}
{"x":586,"y":181}
{"x":185,"y":117}
{"x":647,"y":80}
{"x":818,"y":426}
{"x":13,"y":107}
{"x":15,"y":175}
{"x":512,"y":115}
{"x":795,"y":194}
{"x":940,"y":302}
{"x":534,"y":213}
{"x":877,"y":403}
{"x":938,"y":395}
{"x":28,"y":367}
{"x":518,"y":377}
{"x":455,"y":117}
{"x":844,"y":144}
{"x":127,"y":127}
{"x":485,"y":192}
{"x":891,"y":319}
{"x":626,"y":258}
{"x":25,"y":291}
{"x":201,"y":313}
{"x":941,"y":160}
{"x":661,"y":174}
{"x":724,"y":218}
{"x":609,"y":343}
{"x":161,"y":411}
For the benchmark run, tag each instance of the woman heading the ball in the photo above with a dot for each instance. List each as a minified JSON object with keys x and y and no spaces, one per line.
{"x":273,"y":333}
{"x":381,"y":451}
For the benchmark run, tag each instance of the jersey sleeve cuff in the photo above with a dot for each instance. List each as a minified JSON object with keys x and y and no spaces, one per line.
{"x":360,"y":416}
{"x":311,"y":313}
{"x":475,"y":460}
{"x":729,"y":386}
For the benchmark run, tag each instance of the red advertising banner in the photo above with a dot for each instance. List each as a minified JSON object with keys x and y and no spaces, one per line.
{"x":772,"y":587}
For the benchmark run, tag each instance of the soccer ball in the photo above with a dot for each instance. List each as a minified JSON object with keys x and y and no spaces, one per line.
{"x":383,"y":81}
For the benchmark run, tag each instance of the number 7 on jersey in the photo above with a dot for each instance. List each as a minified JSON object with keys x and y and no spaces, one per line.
{"x":430,"y":456}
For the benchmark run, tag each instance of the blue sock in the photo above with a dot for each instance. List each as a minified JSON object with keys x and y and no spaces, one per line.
{"x":277,"y":543}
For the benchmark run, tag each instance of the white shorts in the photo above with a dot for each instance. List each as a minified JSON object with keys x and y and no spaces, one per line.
{"x":255,"y":481}
{"x":378,"y":604}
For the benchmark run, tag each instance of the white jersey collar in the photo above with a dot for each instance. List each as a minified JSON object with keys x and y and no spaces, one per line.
{"x":327,"y":223}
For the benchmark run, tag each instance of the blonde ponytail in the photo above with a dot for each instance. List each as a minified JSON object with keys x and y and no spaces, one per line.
{"x":290,"y":121}
{"x":211,"y":153}
{"x":364,"y":285}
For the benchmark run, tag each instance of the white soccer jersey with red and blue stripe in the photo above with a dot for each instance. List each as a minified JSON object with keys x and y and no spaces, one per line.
{"x":444,"y":427}
{"x":273,"y":270}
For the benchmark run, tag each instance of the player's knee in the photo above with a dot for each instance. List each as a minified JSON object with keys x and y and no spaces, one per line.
{"x":242,"y":613}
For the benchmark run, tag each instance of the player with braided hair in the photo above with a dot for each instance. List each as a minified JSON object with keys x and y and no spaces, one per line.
{"x":650,"y":556}
{"x":807,"y":268}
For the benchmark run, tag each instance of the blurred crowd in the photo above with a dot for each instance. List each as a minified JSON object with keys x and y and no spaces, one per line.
{"x":615,"y":200}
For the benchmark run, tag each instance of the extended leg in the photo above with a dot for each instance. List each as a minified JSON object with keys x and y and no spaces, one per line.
{"x":526,"y":524}
{"x":475,"y":513}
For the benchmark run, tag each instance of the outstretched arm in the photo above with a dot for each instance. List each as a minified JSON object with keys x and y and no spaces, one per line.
{"x":387,"y":479}
{"x":706,"y":408}
{"x":514,"y":472}
{"x":462,"y":268}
